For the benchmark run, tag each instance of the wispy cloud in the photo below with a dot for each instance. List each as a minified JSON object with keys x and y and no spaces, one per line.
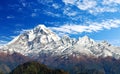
{"x":95,"y":6}
{"x":20,"y":9}
{"x":115,"y":42}
{"x":98,"y":9}
{"x":69,"y":1}
{"x":34,"y":15}
{"x":52,"y":14}
{"x":19,"y":31}
{"x":10,"y":17}
{"x":86,"y":4}
{"x":6,"y":39}
{"x":12,"y":37}
{"x":23,"y":3}
{"x":90,"y":27}
{"x":2,"y":42}
{"x":69,"y":12}
{"x":44,"y":1}
{"x":55,"y":6}
{"x":108,"y":2}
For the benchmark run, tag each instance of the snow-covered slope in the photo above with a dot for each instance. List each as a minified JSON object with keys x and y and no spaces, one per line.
{"x":42,"y":40}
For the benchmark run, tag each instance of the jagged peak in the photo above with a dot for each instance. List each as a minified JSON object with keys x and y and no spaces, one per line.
{"x":41,"y":26}
{"x":40,"y":32}
{"x":85,"y":40}
{"x":105,"y":43}
{"x":41,"y":29}
{"x":65,"y":37}
{"x":85,"y":37}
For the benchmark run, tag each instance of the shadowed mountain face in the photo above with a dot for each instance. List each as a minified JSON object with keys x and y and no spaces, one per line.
{"x":35,"y":68}
{"x":71,"y":64}
{"x":9,"y":61}
{"x":84,"y":64}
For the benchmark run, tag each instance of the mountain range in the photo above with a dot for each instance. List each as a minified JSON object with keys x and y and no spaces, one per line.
{"x":42,"y":40}
{"x":77,"y":56}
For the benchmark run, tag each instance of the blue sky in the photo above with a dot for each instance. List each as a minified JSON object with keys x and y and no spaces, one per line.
{"x":99,"y":19}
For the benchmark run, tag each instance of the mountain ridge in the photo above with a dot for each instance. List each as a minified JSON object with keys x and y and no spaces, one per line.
{"x":42,"y":40}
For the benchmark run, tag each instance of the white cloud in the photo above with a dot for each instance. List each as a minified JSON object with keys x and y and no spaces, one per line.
{"x":33,"y":14}
{"x":102,"y":9}
{"x":52,"y":14}
{"x":6,"y":39}
{"x":44,"y":1}
{"x":2,"y":42}
{"x":83,"y":5}
{"x":20,"y":9}
{"x":10,"y":17}
{"x":69,"y":1}
{"x":21,"y":31}
{"x":69,"y":12}
{"x":12,"y":37}
{"x":56,"y":6}
{"x":90,"y":27}
{"x":86,"y":4}
{"x":23,"y":3}
{"x":94,"y":6}
{"x":115,"y":42}
{"x":108,"y":2}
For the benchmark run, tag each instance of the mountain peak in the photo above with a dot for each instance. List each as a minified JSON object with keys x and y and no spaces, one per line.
{"x":85,"y":37}
{"x":41,"y":29}
{"x":41,"y":26}
{"x":40,"y":34}
{"x":66,"y":37}
{"x":105,"y":43}
{"x":85,"y":40}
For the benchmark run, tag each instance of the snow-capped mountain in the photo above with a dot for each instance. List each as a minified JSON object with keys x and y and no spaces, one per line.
{"x":42,"y":40}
